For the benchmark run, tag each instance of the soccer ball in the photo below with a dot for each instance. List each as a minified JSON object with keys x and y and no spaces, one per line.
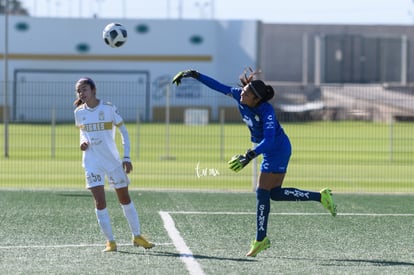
{"x":115,"y":35}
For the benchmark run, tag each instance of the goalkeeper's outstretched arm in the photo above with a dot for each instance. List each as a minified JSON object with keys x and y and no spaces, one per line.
{"x":206,"y":80}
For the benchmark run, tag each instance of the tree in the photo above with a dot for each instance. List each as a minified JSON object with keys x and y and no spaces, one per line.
{"x":14,"y":7}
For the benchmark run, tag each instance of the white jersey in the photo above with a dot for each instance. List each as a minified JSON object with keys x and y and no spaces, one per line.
{"x":97,"y":127}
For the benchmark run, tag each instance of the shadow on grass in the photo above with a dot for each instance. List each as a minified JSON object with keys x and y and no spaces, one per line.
{"x":375,"y":262}
{"x":195,"y":256}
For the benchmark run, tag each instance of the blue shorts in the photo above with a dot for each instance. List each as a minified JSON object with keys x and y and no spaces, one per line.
{"x":277,"y":161}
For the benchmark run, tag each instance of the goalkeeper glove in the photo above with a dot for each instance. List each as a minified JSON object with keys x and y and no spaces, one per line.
{"x":238,"y":162}
{"x":189,"y":73}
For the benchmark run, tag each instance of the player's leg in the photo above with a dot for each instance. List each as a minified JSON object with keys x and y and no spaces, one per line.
{"x":120,"y":181}
{"x":273,"y":170}
{"x":102,"y":215}
{"x":292,"y":194}
{"x":266,"y":182}
{"x":129,"y":210}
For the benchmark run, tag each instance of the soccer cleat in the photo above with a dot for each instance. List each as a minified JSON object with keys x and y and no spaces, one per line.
{"x":258,"y":247}
{"x":141,"y":241}
{"x":327,"y":201}
{"x":110,"y":246}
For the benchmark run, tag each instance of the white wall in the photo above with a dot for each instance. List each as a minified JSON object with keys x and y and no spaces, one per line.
{"x":50,"y":44}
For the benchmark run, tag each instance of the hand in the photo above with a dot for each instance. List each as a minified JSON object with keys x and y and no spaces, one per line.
{"x":84,"y":146}
{"x":127,"y":165}
{"x":189,"y":73}
{"x":238,"y":162}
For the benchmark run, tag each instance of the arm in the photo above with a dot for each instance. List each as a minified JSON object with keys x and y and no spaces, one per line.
{"x":269,"y":131}
{"x":118,"y":121}
{"x":238,"y":162}
{"x":83,"y":135}
{"x":206,"y":80}
{"x":126,"y":161}
{"x":269,"y":137}
{"x":214,"y":84}
{"x":84,"y":140}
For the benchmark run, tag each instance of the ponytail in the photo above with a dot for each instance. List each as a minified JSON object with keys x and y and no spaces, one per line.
{"x":247,"y":78}
{"x":77,"y":102}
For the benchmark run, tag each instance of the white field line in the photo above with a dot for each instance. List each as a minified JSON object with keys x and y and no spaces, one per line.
{"x":204,"y":213}
{"x":186,"y":255}
{"x":295,"y":214}
{"x":69,"y":245}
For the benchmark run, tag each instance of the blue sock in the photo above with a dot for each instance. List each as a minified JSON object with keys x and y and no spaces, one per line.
{"x":293,"y":194}
{"x":262,"y":214}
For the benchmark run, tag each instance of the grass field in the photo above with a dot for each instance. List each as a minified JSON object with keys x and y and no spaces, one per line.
{"x":347,"y":156}
{"x":55,"y":232}
{"x":200,"y":214}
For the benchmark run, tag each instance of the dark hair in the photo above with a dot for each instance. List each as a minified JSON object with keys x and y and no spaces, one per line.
{"x":261,"y":90}
{"x":81,"y":81}
{"x":246,"y":79}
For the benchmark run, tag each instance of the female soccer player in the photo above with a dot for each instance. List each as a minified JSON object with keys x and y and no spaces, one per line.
{"x":97,"y":120}
{"x":272,"y":142}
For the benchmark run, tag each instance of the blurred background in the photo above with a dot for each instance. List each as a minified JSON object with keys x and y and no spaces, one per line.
{"x":295,"y":11}
{"x":342,"y":71}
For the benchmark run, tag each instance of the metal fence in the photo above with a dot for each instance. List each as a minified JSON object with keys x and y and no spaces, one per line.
{"x":358,"y":138}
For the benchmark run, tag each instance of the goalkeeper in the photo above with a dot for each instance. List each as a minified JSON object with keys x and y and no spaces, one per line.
{"x":272,"y":143}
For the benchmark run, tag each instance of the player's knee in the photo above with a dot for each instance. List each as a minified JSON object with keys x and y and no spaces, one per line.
{"x":262,"y":194}
{"x":123,"y":196}
{"x":124,"y":201}
{"x":100,"y":204}
{"x":276,"y":193}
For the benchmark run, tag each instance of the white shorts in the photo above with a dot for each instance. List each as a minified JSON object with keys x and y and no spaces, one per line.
{"x":116,"y":178}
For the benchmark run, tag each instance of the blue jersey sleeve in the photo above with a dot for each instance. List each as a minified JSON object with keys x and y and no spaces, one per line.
{"x":220,"y":87}
{"x":270,"y":126}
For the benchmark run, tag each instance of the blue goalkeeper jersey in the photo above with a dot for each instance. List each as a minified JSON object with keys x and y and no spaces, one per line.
{"x":261,"y":120}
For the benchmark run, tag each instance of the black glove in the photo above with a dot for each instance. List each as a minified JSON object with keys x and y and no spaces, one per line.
{"x":238,"y":162}
{"x":189,"y":73}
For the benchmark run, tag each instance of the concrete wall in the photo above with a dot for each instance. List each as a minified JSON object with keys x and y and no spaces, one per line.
{"x":62,"y":50}
{"x":288,"y":50}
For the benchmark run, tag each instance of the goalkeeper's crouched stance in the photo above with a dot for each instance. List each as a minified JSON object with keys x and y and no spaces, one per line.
{"x":272,"y":143}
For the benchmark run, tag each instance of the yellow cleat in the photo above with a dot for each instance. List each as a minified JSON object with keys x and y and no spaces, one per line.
{"x":141,"y":241}
{"x":110,"y":247}
{"x":258,"y":247}
{"x":327,"y":201}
